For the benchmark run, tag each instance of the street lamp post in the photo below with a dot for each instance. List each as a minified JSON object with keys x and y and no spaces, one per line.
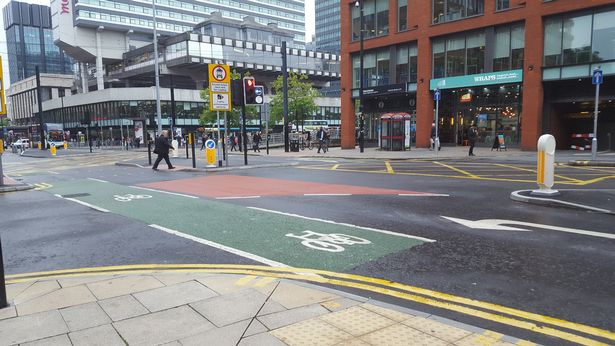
{"x":359,"y":3}
{"x":157,"y":72}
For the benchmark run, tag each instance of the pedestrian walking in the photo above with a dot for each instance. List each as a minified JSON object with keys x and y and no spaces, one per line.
{"x":472,"y":135}
{"x":162,"y":150}
{"x":203,"y":140}
{"x":256,"y":140}
{"x":233,"y":140}
{"x":322,"y":137}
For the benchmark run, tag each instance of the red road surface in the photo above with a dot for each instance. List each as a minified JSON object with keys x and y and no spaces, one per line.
{"x":240,"y":186}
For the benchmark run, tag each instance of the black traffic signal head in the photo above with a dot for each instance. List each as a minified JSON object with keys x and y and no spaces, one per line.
{"x":249,"y":90}
{"x":237,"y":92}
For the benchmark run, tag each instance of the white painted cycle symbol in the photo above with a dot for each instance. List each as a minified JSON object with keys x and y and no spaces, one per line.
{"x":328,"y":242}
{"x":129,"y":197}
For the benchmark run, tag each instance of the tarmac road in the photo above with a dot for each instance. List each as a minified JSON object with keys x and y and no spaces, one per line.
{"x":564,"y":275}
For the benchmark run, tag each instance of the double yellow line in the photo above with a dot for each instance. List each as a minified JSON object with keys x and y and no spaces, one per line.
{"x":42,"y":186}
{"x":570,"y":331}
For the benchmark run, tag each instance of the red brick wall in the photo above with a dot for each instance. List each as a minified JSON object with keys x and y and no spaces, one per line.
{"x":422,"y":30}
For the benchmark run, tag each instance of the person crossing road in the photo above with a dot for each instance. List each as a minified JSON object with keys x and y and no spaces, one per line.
{"x":162,"y":149}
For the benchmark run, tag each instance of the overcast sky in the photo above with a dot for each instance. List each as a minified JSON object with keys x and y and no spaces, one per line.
{"x":309,"y":31}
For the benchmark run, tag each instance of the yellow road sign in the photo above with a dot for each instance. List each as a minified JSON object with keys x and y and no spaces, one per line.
{"x":219,"y":87}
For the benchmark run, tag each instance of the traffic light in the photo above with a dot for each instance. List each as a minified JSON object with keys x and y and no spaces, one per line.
{"x":237,"y":92}
{"x":249,"y":91}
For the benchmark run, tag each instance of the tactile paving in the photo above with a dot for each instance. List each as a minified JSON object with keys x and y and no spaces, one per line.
{"x":311,"y":332}
{"x":388,"y":313}
{"x":357,"y":321}
{"x":437,"y":329}
{"x":401,"y":335}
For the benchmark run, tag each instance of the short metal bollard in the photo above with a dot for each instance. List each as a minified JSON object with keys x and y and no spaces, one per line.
{"x":545,"y":170}
{"x":3,"y":301}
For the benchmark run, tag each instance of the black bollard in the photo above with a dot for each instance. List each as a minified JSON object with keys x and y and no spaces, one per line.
{"x":187,"y":141}
{"x":3,"y":301}
{"x":149,"y":152}
{"x":193,"y":150}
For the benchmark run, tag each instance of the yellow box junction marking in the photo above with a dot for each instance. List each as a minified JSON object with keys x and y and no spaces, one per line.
{"x":518,"y":318}
{"x":389,"y":168}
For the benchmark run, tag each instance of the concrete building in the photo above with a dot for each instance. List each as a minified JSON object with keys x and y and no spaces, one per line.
{"x":124,"y":93}
{"x":514,"y":68}
{"x":327,"y":16}
{"x":22,"y":97}
{"x":29,"y":39}
{"x":98,"y":32}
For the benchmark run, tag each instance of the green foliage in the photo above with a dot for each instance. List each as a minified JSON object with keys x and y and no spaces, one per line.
{"x":4,"y":122}
{"x":301,"y":98}
{"x":209,"y":118}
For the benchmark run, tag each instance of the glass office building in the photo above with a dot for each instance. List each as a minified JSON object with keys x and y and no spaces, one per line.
{"x":29,"y":39}
{"x":328,"y":26}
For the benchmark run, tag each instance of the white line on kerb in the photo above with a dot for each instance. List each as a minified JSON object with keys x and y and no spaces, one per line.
{"x":221,"y":247}
{"x":161,"y":191}
{"x":238,"y":197}
{"x":83,"y":203}
{"x":424,"y":195}
{"x":327,"y":194}
{"x":52,"y":172}
{"x":345,"y":224}
{"x":98,"y":180}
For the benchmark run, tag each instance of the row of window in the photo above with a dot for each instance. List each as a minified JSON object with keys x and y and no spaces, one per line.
{"x":579,"y":39}
{"x":377,"y":66}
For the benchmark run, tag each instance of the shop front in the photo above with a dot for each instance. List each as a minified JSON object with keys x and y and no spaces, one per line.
{"x":387,"y":99}
{"x":491,"y":101}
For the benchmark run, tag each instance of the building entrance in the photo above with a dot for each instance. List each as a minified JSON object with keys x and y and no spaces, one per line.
{"x":495,"y":110}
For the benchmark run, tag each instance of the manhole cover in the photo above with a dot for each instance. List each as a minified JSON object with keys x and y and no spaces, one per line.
{"x":74,"y":195}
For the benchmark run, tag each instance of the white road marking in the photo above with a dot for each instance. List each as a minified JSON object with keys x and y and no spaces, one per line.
{"x":52,"y":172}
{"x":83,"y":203}
{"x":161,"y":191}
{"x":345,"y":224}
{"x":239,"y":197}
{"x":221,"y":247}
{"x":98,"y":180}
{"x":424,"y":194}
{"x":327,"y":194}
{"x":496,"y":224}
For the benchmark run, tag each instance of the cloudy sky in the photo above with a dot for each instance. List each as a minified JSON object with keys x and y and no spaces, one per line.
{"x":309,"y":27}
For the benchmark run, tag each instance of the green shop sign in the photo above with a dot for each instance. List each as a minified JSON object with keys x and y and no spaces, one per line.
{"x":501,"y":77}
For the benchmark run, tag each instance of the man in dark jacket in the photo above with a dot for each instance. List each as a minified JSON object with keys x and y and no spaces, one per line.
{"x":472,"y":135}
{"x":162,"y":149}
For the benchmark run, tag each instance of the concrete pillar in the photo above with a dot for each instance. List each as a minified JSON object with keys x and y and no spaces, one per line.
{"x":84,"y":77}
{"x":100,"y":81}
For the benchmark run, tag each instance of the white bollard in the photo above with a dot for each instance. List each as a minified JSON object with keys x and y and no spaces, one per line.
{"x":546,"y":168}
{"x":175,"y":153}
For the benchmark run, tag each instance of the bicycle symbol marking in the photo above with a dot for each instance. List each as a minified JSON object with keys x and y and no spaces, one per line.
{"x":328,"y":242}
{"x":129,"y":197}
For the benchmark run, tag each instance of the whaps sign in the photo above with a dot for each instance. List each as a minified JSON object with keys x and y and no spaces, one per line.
{"x":65,"y":6}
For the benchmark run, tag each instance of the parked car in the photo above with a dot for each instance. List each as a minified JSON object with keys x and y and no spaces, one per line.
{"x":21,"y":144}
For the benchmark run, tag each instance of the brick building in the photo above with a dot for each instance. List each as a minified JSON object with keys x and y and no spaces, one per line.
{"x":512,"y":67}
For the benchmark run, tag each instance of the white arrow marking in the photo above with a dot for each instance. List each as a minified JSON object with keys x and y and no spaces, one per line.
{"x":496,"y":224}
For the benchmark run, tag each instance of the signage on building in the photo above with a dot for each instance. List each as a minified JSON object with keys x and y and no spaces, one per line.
{"x":386,"y":89}
{"x":501,"y":77}
{"x":64,"y":6}
{"x":467,"y":97}
{"x":219,"y":87}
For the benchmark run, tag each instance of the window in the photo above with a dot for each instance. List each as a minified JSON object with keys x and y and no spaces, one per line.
{"x":509,"y":48}
{"x":439,"y":59}
{"x":455,"y":56}
{"x":517,"y":46}
{"x":402,"y":15}
{"x":448,"y":10}
{"x":462,"y":55}
{"x":475,"y":50}
{"x":603,"y":47}
{"x":502,"y":4}
{"x":375,"y":19}
{"x":579,"y":39}
{"x":382,"y":63}
{"x":406,"y":64}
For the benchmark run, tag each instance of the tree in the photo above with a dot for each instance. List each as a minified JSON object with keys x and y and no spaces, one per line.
{"x":5,"y":121}
{"x":210,"y":117}
{"x":301,"y":98}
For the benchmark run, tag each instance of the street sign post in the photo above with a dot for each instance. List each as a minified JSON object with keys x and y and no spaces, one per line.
{"x":219,"y":87}
{"x":436,"y":140}
{"x":597,"y":78}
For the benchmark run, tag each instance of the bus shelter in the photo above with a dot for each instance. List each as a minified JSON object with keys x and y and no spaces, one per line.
{"x":397,"y":131}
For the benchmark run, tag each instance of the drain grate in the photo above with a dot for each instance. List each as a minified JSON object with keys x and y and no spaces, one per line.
{"x":74,"y":195}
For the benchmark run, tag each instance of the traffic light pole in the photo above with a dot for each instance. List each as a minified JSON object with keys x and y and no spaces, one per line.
{"x":244,"y":136}
{"x":285,"y":88}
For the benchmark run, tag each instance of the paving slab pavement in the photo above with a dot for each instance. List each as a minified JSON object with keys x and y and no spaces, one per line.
{"x":180,"y":308}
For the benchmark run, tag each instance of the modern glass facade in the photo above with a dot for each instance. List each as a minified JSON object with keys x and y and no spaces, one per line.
{"x":328,"y":26}
{"x":177,"y":16}
{"x":577,"y":43}
{"x":465,"y":54}
{"x":30,"y":42}
{"x":375,"y":19}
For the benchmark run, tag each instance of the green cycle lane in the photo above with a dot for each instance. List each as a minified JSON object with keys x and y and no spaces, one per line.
{"x":293,"y":241}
